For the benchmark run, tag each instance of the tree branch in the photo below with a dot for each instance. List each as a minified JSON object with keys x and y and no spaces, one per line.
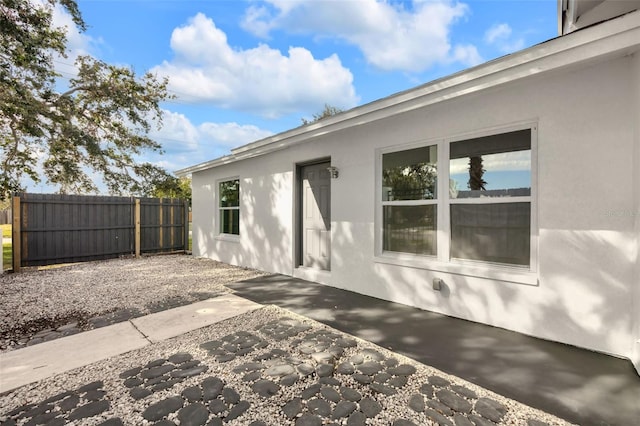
{"x":72,"y":91}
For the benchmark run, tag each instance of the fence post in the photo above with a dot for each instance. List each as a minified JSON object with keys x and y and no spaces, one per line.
{"x":172,"y":230}
{"x":186,"y":225}
{"x":15,"y":235}
{"x":160,"y":229}
{"x":137,"y":226}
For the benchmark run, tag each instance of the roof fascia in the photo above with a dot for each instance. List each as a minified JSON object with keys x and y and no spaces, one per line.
{"x":608,"y":38}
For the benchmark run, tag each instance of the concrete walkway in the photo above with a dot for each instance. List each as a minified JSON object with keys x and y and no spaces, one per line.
{"x":33,"y":363}
{"x":578,"y":385}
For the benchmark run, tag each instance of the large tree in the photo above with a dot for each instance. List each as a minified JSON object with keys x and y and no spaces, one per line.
{"x":96,"y":123}
{"x":328,"y":111}
{"x":170,"y":187}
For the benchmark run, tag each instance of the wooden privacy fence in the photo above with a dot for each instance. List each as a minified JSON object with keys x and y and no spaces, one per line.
{"x":51,"y":228}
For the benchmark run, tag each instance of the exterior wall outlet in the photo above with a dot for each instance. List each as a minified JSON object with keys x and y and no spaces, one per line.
{"x":437,"y":284}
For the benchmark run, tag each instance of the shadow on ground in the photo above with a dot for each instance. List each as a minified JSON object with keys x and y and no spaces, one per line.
{"x":578,"y":385}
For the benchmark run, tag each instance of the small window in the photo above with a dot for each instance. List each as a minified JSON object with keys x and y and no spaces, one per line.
{"x":229,"y":206}
{"x":409,"y":210}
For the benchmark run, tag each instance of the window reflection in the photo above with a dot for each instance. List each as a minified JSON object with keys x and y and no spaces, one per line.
{"x":492,"y":166}
{"x":410,"y":174}
{"x":410,"y":229}
{"x":497,"y":233}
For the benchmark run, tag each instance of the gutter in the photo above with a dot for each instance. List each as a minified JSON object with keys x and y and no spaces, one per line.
{"x":616,"y":36}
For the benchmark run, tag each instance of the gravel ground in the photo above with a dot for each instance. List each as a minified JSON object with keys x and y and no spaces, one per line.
{"x":269,"y":410}
{"x":37,"y":301}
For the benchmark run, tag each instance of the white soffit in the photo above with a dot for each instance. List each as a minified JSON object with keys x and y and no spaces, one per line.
{"x":576,"y":14}
{"x":616,"y":37}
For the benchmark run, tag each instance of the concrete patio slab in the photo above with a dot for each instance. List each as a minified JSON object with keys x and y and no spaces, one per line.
{"x":174,"y":322}
{"x":579,"y":385}
{"x":28,"y":365}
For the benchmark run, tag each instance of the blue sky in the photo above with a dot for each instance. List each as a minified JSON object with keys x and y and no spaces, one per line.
{"x":242,"y":70}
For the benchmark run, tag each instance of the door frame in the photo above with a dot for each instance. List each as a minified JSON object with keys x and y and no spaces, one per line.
{"x":298,"y":256}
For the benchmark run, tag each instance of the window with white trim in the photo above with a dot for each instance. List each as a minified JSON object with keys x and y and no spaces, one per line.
{"x":490,"y":198}
{"x":229,"y":206}
{"x":409,"y":200}
{"x":485,"y":216}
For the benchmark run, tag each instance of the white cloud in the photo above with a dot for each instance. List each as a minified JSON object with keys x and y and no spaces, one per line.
{"x":177,"y":132}
{"x":263,"y":80}
{"x":506,"y":161}
{"x":501,"y":36}
{"x":497,"y":32}
{"x":186,"y":144}
{"x":257,"y":20}
{"x":78,"y":43}
{"x":467,"y":55}
{"x":390,"y":35}
{"x":231,"y":135}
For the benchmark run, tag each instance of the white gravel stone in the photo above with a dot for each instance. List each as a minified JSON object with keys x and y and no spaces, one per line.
{"x":94,"y":288}
{"x":269,"y":409}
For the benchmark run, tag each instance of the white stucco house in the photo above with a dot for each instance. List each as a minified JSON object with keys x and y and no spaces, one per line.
{"x":507,"y":194}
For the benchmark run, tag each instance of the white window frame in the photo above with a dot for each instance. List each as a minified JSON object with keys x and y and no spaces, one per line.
{"x":218,"y":223}
{"x":400,"y":203}
{"x":442,"y":262}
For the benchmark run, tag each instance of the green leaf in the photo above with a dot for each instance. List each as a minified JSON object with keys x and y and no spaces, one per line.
{"x":94,"y":127}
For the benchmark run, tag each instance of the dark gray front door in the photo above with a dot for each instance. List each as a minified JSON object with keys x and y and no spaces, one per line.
{"x":316,"y":216}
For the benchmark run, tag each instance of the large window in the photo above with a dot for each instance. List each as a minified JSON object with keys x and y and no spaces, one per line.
{"x":485,"y":212}
{"x":409,"y":186}
{"x":229,"y":206}
{"x":490,"y":205}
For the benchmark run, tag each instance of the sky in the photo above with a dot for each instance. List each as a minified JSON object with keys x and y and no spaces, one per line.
{"x":240,"y":71}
